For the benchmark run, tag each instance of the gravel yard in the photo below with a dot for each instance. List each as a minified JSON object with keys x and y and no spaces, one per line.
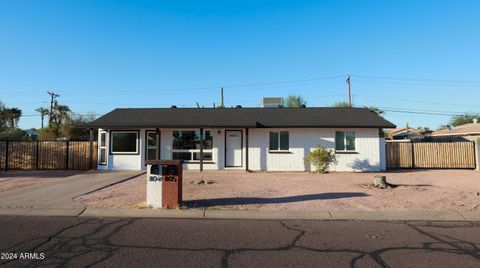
{"x":433,"y":190}
{"x":16,"y":179}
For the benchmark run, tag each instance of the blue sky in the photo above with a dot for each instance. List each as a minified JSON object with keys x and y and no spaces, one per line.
{"x":410,"y":56}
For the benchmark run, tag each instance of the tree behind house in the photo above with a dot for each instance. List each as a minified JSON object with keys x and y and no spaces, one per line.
{"x":295,"y":101}
{"x":463,"y":119}
{"x":341,"y":104}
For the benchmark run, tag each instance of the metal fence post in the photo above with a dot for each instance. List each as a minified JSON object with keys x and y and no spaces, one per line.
{"x":37,"y":154}
{"x":91,"y":148}
{"x":67,"y":156}
{"x":6,"y":156}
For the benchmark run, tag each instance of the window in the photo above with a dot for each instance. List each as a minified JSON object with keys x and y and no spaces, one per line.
{"x":151,"y":146}
{"x":344,"y":141}
{"x":186,"y":145}
{"x":124,"y":142}
{"x":102,"y":160}
{"x":279,"y":141}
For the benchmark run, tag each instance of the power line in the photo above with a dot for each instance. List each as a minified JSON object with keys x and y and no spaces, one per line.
{"x":419,"y":101}
{"x":420,"y":79}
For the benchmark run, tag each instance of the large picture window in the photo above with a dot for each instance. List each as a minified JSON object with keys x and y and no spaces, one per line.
{"x":186,"y":145}
{"x":279,"y":141}
{"x":124,"y":142}
{"x":345,"y":141}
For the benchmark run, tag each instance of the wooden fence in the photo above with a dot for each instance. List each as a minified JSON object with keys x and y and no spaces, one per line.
{"x":430,"y":155}
{"x":30,"y":155}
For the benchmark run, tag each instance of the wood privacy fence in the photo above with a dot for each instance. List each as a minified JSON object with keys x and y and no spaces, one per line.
{"x":30,"y":155}
{"x":430,"y":155}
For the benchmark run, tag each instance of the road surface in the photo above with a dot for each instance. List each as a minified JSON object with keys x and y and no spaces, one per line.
{"x":150,"y":242}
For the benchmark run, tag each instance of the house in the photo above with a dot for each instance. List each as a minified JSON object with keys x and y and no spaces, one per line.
{"x":407,"y":134}
{"x":464,"y":132}
{"x":252,"y":139}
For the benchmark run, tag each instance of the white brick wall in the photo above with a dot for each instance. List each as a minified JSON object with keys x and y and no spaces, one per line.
{"x":302,"y":141}
{"x":369,"y":156}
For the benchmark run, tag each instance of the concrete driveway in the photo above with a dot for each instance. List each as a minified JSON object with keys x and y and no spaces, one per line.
{"x":59,"y":193}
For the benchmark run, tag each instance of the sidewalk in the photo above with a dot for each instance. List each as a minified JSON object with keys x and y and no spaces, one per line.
{"x":250,"y":215}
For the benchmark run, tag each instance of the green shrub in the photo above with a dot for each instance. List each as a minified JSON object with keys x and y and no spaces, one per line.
{"x":12,"y":134}
{"x":321,"y":159}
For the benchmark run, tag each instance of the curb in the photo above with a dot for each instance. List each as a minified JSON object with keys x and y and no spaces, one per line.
{"x":245,"y":214}
{"x":284,"y":215}
{"x":41,"y":211}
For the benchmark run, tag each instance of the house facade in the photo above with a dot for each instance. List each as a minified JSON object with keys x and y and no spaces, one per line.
{"x":252,"y":139}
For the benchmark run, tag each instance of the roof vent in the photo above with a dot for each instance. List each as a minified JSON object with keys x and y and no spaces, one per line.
{"x":272,"y":102}
{"x":173,"y":107}
{"x":238,"y":106}
{"x":303,"y":106}
{"x":475,"y":120}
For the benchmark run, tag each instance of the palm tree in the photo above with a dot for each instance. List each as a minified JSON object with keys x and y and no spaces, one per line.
{"x":43,"y":112}
{"x":62,"y":113}
{"x":16,"y":114}
{"x":295,"y":101}
{"x":11,"y":116}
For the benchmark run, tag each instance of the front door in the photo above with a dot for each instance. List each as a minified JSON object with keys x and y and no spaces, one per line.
{"x":233,"y":148}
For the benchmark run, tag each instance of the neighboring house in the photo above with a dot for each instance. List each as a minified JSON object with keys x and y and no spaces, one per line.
{"x":463,"y":132}
{"x":407,"y":134}
{"x":252,"y":139}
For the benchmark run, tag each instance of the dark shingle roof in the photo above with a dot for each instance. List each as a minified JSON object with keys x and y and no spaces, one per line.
{"x":241,"y":117}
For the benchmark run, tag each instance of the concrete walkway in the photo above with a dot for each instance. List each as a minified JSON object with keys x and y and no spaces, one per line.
{"x":57,"y":196}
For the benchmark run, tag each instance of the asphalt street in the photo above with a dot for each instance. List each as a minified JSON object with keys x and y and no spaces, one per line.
{"x":151,"y":242}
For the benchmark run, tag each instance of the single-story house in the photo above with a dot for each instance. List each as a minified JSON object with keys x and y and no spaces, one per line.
{"x":408,"y":134}
{"x":252,"y":139}
{"x":466,"y":132}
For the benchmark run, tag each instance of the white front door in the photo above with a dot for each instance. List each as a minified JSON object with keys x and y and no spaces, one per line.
{"x":233,"y":148}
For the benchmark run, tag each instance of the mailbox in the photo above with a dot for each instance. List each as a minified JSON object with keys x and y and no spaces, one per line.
{"x":164,"y":183}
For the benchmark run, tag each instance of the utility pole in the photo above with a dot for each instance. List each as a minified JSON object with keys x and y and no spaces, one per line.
{"x":349,"y":92}
{"x":53,"y":96}
{"x":221,"y":96}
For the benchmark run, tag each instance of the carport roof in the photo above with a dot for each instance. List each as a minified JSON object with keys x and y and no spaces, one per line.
{"x":323,"y":117}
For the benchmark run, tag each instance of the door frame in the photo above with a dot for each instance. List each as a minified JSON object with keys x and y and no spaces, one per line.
{"x":241,"y":147}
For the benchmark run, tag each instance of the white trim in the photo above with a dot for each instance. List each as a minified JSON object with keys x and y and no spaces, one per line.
{"x":137,"y":133}
{"x":104,"y":147}
{"x":345,"y":141}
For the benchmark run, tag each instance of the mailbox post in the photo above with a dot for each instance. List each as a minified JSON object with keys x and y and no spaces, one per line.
{"x":164,"y":183}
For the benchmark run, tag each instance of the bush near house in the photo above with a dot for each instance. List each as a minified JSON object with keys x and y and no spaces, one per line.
{"x":321,"y":159}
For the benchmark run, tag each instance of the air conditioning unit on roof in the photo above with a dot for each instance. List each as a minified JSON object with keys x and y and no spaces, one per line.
{"x":272,"y":102}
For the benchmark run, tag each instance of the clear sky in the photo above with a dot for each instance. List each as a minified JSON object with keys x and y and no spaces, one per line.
{"x":410,"y":56}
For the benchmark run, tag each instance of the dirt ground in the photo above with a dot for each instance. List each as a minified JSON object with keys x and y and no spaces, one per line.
{"x":425,"y":190}
{"x":16,"y":179}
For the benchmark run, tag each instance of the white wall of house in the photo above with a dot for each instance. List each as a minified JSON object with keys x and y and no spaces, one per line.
{"x":368,"y":156}
{"x":302,"y":141}
{"x":124,"y":161}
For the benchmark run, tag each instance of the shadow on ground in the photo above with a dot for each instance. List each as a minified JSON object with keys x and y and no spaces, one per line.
{"x":272,"y":200}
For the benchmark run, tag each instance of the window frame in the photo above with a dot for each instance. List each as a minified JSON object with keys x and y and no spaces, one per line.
{"x":193,"y":151}
{"x":279,"y":141}
{"x":137,"y":143}
{"x":345,"y":150}
{"x":104,"y":147}
{"x":157,"y":144}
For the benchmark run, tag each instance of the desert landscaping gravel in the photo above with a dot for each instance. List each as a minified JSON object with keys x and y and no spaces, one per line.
{"x":421,"y":190}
